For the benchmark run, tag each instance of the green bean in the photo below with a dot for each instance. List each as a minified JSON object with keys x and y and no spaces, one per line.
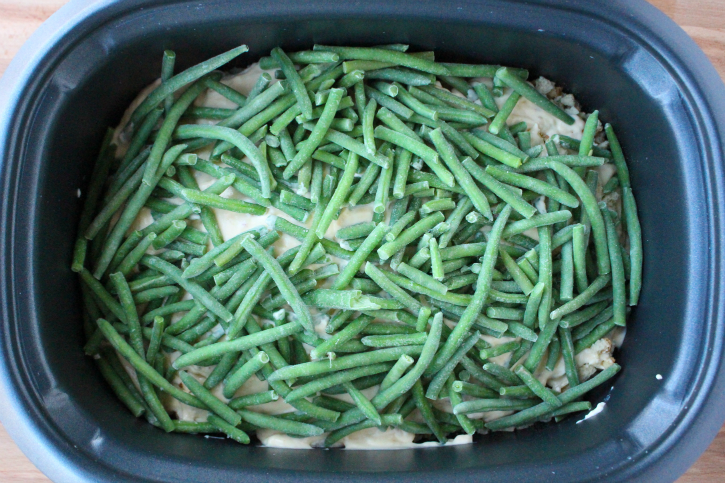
{"x":236,"y":379}
{"x":567,"y":350}
{"x":138,"y":199}
{"x":333,"y":403}
{"x":541,"y":343}
{"x":577,"y":318}
{"x":498,"y":123}
{"x":499,"y":350}
{"x":169,"y":235}
{"x":439,"y":204}
{"x":143,"y":367}
{"x":499,"y":143}
{"x":461,"y":175}
{"x":554,"y":353}
{"x":368,"y":116}
{"x":337,"y":378}
{"x":238,"y":140}
{"x":590,"y":128}
{"x":297,"y":86}
{"x":369,"y":176}
{"x":280,"y":424}
{"x":599,"y":283}
{"x":436,"y":265}
{"x":119,"y":388}
{"x":454,"y":220}
{"x":422,"y":278}
{"x":566,"y":397}
{"x":213,"y":113}
{"x":344,"y":362}
{"x":573,"y":144}
{"x":538,"y":388}
{"x":619,"y":296}
{"x":634,"y":231}
{"x":386,"y":303}
{"x":415,"y":105}
{"x":114,"y":204}
{"x":386,"y":56}
{"x":409,"y":235}
{"x":418,"y":148}
{"x":473,"y":309}
{"x":317,"y":135}
{"x":362,"y":403}
{"x":178,"y":81}
{"x":236,"y":345}
{"x":611,"y":185}
{"x":456,"y":101}
{"x":426,"y":411}
{"x":345,"y":103}
{"x":487,"y":405}
{"x":256,"y":120}
{"x":536,"y":221}
{"x":196,"y":290}
{"x":383,"y":190}
{"x":440,"y":378}
{"x":338,"y":198}
{"x":129,"y":309}
{"x":134,"y":152}
{"x":105,"y":298}
{"x":566,"y":289}
{"x":468,"y":118}
{"x":502,"y":373}
{"x":394,"y":340}
{"x":351,"y":330}
{"x":617,"y":156}
{"x":480,"y":70}
{"x":357,"y":230}
{"x":504,"y":313}
{"x":535,"y":185}
{"x":521,"y":279}
{"x":329,"y":158}
{"x":168,"y":309}
{"x":386,"y":420}
{"x":387,"y":101}
{"x":579,"y":249}
{"x":383,"y":280}
{"x":356,"y":147}
{"x":524,"y":140}
{"x":155,"y":339}
{"x":286,"y":288}
{"x":589,"y":203}
{"x":500,"y":190}
{"x":519,"y":392}
{"x":488,"y":149}
{"x":404,"y":76}
{"x":529,"y":92}
{"x":250,"y":300}
{"x":231,"y":94}
{"x":461,"y":387}
{"x":308,"y":242}
{"x":302,"y":57}
{"x":253,"y":399}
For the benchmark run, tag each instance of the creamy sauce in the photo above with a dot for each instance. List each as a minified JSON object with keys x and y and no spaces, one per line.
{"x":541,"y":124}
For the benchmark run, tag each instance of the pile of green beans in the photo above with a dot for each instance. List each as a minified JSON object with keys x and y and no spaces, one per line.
{"x":468,"y":222}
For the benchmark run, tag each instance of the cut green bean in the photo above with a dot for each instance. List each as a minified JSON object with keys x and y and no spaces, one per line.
{"x":634,"y":232}
{"x":619,"y":296}
{"x":529,"y":92}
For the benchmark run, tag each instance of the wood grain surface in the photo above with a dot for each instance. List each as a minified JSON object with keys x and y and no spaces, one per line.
{"x":703,"y":20}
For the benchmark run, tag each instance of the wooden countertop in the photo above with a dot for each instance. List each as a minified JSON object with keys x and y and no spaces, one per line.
{"x":703,"y":20}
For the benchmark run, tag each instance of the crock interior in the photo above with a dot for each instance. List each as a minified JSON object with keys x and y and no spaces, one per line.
{"x":103,"y":68}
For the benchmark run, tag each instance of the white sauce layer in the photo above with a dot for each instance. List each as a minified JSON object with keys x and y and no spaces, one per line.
{"x":541,"y":124}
